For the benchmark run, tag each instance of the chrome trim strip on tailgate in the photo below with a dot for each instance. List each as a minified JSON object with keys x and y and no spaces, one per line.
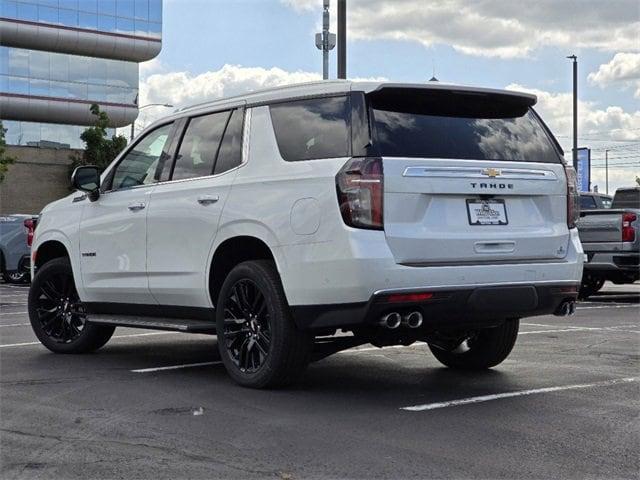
{"x":480,"y":172}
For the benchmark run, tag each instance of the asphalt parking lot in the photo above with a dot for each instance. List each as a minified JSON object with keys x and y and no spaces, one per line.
{"x":151,"y":404}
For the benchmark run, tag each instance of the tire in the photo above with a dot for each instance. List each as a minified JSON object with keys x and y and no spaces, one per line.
{"x":16,"y":277}
{"x":486,"y":349}
{"x":259,"y":343}
{"x":590,"y":285}
{"x":56,"y":313}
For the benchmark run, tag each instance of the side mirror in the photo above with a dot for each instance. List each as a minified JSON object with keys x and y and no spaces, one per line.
{"x":87,"y":179}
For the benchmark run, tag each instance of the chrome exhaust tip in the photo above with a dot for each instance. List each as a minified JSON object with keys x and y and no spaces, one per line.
{"x":391,"y":320}
{"x":413,"y":320}
{"x":566,"y":309}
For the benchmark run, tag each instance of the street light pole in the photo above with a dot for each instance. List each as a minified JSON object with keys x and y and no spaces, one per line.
{"x":606,"y":171}
{"x":575,"y":110}
{"x":342,"y":38}
{"x":167,"y":105}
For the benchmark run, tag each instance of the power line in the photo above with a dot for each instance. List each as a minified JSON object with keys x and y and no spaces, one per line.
{"x":617,"y":147}
{"x":598,"y":139}
{"x":621,"y":166}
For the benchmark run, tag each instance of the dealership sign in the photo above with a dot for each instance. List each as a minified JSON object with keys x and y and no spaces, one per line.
{"x":584,"y":169}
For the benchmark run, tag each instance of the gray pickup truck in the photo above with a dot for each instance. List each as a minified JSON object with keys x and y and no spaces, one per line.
{"x":611,"y":240}
{"x":16,"y":234}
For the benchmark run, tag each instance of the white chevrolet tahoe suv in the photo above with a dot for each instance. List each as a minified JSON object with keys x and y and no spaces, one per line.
{"x":300,"y":221}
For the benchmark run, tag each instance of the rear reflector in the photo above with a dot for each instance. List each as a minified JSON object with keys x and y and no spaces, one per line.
{"x":408,"y":297}
{"x":569,"y":289}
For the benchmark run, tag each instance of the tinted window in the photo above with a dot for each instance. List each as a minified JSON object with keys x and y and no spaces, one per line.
{"x":311,"y":129}
{"x":139,"y":166}
{"x":587,"y":201}
{"x":444,"y":124}
{"x":197,"y":152}
{"x":627,"y":198}
{"x":230,"y":154}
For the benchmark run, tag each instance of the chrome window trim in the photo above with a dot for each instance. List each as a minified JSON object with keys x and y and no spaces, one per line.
{"x":476,"y":172}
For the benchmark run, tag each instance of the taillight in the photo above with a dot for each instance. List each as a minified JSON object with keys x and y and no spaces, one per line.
{"x":360,"y":188}
{"x":573,"y":197}
{"x":30,"y":226}
{"x":628,"y":232}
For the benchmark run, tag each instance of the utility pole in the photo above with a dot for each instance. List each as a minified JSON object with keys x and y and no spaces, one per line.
{"x":606,"y":172}
{"x":325,"y":41}
{"x":575,"y":110}
{"x":342,"y":38}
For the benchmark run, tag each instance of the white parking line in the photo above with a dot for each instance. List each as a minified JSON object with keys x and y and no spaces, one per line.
{"x":623,"y":305}
{"x":15,"y":325}
{"x":13,"y":313}
{"x":115,"y":336}
{"x":497,"y":396}
{"x":175,"y":367}
{"x":559,"y":330}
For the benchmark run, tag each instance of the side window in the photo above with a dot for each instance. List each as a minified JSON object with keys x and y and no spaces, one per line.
{"x":587,"y":202}
{"x":230,"y":155}
{"x":312,"y":129}
{"x":138,"y":167}
{"x":197,"y":152}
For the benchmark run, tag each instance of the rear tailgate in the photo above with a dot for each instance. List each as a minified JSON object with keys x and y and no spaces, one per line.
{"x":429,"y":207}
{"x":601,"y":226}
{"x":470,"y":177}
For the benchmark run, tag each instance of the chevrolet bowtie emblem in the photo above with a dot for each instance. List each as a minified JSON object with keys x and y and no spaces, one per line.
{"x":491,"y":172}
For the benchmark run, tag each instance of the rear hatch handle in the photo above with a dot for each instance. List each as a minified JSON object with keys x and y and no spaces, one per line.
{"x":495,"y":247}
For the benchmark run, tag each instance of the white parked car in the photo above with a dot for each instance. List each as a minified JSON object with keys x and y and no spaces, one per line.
{"x":391,"y":213}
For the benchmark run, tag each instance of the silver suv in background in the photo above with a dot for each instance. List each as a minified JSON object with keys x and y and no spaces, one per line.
{"x":16,"y":235}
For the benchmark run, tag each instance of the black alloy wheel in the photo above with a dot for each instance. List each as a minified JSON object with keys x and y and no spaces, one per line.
{"x":259,"y":342}
{"x":247,"y":327}
{"x":16,"y":277}
{"x":57,"y":315}
{"x":58,"y":308}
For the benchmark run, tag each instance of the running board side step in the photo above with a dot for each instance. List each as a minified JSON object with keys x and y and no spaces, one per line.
{"x":154,"y":323}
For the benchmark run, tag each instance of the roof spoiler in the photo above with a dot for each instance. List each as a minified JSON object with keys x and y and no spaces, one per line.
{"x":527,"y":99}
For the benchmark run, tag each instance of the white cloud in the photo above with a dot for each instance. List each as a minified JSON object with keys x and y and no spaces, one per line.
{"x":494,"y":28}
{"x":623,"y":69}
{"x":597,"y":127}
{"x":611,"y":123}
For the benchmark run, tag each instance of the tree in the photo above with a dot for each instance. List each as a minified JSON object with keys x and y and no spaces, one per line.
{"x":5,"y":158}
{"x":99,"y":149}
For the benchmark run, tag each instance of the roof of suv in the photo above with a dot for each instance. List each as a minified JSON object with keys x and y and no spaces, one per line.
{"x":328,"y":87}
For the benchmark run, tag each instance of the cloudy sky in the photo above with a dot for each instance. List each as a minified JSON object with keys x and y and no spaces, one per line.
{"x":214,"y":48}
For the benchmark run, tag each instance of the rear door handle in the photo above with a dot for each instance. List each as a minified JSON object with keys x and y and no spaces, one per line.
{"x":208,"y":199}
{"x":134,"y":207}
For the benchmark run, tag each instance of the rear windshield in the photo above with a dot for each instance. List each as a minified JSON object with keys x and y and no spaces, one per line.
{"x":446,"y":124}
{"x":627,"y":199}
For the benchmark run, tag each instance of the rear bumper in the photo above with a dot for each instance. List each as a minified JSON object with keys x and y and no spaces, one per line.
{"x":613,"y":261}
{"x":447,"y":309}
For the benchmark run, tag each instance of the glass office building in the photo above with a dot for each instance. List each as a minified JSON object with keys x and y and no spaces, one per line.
{"x":57,"y":57}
